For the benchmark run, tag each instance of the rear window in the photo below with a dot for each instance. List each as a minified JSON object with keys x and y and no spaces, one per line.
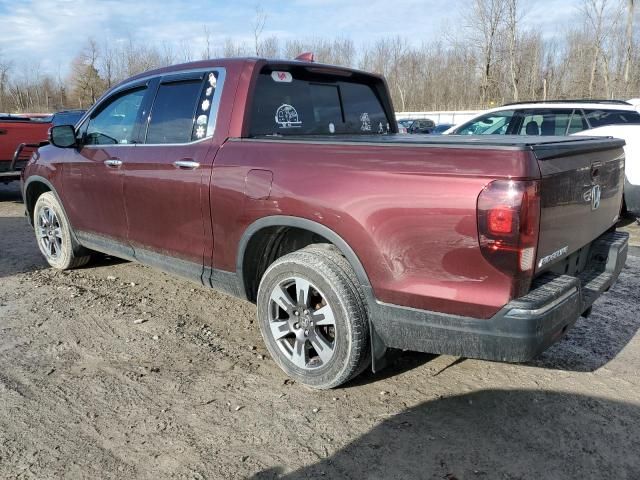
{"x":600,"y":118}
{"x":306,"y":103}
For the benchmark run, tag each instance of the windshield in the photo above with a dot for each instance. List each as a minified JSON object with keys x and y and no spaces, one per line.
{"x":301,"y":102}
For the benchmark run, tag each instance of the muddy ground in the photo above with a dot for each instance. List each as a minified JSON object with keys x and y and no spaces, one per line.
{"x":88,"y":392}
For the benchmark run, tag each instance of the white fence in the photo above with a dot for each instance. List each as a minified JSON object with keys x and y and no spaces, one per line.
{"x":445,"y":116}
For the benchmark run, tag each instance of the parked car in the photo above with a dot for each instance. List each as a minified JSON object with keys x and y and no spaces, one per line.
{"x":423,"y":125}
{"x":441,"y":128}
{"x":268,"y":180}
{"x":404,"y":125}
{"x":21,"y":135}
{"x":601,"y":118}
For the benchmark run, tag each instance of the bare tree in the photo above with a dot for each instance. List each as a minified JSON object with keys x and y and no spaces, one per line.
{"x":629,"y":43}
{"x":512,"y":32}
{"x":87,"y":85}
{"x":594,"y":12}
{"x":207,"y":53}
{"x":259,"y":22}
{"x":484,"y":20}
{"x":5,"y":67}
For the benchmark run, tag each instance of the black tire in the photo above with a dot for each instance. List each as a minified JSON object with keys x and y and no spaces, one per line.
{"x":65,"y":254}
{"x":333,"y":281}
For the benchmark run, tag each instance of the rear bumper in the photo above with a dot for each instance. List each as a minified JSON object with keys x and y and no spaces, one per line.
{"x":632,"y":197}
{"x":521,"y":329}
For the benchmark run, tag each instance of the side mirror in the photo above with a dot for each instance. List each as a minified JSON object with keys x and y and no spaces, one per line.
{"x":63,"y":136}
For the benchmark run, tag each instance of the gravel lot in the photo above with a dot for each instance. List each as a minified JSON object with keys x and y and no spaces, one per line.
{"x":118,"y":371}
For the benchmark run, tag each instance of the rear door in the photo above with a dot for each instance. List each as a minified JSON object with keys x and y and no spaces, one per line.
{"x":581,"y":195}
{"x":166,"y":178}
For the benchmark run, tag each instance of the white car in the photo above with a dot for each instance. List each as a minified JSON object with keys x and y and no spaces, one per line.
{"x":601,"y":118}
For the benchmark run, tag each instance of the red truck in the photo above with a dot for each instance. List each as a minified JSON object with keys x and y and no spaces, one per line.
{"x":20,"y":135}
{"x":285,"y":183}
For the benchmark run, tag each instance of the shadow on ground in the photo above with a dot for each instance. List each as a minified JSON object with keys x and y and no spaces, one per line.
{"x":492,"y":434}
{"x":19,"y":252}
{"x":595,"y":341}
{"x":628,"y":219}
{"x":396,"y":363}
{"x":10,"y":192}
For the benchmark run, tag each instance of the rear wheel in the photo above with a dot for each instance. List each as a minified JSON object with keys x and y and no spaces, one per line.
{"x":312,"y":317}
{"x":53,"y":234}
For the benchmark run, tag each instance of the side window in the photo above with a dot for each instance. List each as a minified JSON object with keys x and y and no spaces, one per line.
{"x":545,"y":122}
{"x":495,"y":123}
{"x":600,"y":118}
{"x":577,"y":123}
{"x":114,"y":123}
{"x":173,"y":114}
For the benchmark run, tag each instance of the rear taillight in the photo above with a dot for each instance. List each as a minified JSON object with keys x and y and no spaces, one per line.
{"x":508,"y":224}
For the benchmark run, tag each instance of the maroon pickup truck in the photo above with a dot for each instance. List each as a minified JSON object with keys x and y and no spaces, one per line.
{"x":285,"y":183}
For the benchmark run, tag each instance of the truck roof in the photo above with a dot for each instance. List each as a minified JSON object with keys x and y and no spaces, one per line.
{"x":238,"y":62}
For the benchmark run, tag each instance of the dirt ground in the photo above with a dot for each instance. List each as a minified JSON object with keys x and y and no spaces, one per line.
{"x":88,"y":392}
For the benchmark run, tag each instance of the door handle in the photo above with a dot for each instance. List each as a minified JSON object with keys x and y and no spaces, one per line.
{"x":113,"y":162}
{"x":186,"y":164}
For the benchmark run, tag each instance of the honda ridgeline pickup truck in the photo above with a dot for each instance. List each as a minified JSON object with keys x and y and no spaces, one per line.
{"x":285,"y":183}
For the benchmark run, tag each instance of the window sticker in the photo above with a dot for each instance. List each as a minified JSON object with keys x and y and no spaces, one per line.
{"x":205,"y":105}
{"x":332,"y":128}
{"x":209,"y":91}
{"x":287,"y":117}
{"x":366,"y":122}
{"x":201,"y":120}
{"x":380,"y":128}
{"x":200,"y":131}
{"x":212,"y":80}
{"x":282,"y":77}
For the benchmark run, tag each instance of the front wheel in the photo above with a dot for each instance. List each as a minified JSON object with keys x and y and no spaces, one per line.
{"x":53,"y":234}
{"x":312,"y":317}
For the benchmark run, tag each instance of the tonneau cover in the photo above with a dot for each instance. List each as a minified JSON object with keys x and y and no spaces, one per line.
{"x":544,"y":146}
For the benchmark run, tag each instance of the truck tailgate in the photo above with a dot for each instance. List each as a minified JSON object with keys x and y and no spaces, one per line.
{"x":581,"y":195}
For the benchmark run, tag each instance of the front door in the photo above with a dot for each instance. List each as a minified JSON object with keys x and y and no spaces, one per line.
{"x":92,"y":178}
{"x":167,"y":176}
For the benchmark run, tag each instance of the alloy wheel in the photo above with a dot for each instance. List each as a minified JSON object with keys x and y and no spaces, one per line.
{"x":302,"y":323}
{"x":49,"y":232}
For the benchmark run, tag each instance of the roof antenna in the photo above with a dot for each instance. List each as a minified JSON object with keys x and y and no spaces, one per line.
{"x":305,"y":57}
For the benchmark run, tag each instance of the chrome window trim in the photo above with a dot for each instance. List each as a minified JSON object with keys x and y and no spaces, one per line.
{"x":213,"y":109}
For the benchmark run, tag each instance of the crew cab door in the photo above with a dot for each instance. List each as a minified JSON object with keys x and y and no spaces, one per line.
{"x":92,"y":177}
{"x":166,"y":178}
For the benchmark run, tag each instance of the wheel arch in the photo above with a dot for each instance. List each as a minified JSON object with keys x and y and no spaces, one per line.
{"x":272,"y":225}
{"x":35,"y":186}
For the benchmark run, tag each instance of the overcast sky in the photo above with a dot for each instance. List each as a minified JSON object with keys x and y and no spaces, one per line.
{"x":48,"y":34}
